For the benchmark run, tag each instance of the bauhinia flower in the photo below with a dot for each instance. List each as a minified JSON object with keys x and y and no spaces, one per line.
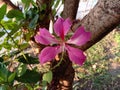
{"x":55,"y":45}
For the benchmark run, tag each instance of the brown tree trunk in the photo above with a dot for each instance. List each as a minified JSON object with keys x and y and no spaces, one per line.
{"x":64,"y":74}
{"x":70,"y":9}
{"x":61,"y":75}
{"x":102,"y":19}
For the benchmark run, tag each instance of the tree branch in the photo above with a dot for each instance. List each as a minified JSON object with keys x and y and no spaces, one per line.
{"x":70,"y":9}
{"x":10,"y":4}
{"x":102,"y":19}
{"x":47,"y":13}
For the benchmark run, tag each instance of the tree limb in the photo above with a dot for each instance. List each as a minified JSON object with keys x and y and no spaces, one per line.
{"x":47,"y":13}
{"x":10,"y":4}
{"x":101,"y":20}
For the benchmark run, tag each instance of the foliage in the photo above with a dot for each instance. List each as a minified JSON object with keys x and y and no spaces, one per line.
{"x":18,"y":66}
{"x":2,"y":11}
{"x":99,"y":72}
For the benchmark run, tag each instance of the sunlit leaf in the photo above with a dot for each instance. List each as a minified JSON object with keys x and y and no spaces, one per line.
{"x":24,"y":45}
{"x":29,"y":35}
{"x":10,"y":25}
{"x":47,"y":77}
{"x":44,"y":84}
{"x":11,"y":77}
{"x":57,"y":3}
{"x":21,"y":69}
{"x":27,"y":3}
{"x":17,"y":34}
{"x":6,"y":44}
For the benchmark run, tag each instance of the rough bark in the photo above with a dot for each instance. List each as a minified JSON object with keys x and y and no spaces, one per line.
{"x":70,"y":9}
{"x":102,"y":19}
{"x":61,"y":75}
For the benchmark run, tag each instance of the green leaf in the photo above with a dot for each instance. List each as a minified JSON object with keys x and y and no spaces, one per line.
{"x":10,"y":25}
{"x":43,"y":7}
{"x":44,"y":85}
{"x":3,"y":73}
{"x":21,"y":69}
{"x":48,"y":76}
{"x":57,"y":3}
{"x":11,"y":77}
{"x":24,"y":45}
{"x":52,"y":2}
{"x":17,"y":34}
{"x":1,"y":33}
{"x":6,"y":44}
{"x":27,"y":3}
{"x":15,"y":14}
{"x":29,"y":86}
{"x":29,"y":59}
{"x":29,"y":76}
{"x":14,"y":30}
{"x":118,"y":54}
{"x":29,"y":35}
{"x":1,"y":59}
{"x":33,"y":22}
{"x":3,"y":11}
{"x":3,"y":87}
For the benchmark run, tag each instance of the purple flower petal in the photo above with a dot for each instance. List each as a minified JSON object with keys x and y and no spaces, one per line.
{"x":66,"y":25}
{"x":75,"y":55}
{"x":80,"y":37}
{"x":58,"y":27}
{"x":61,"y":27}
{"x":45,"y":37}
{"x":48,"y":53}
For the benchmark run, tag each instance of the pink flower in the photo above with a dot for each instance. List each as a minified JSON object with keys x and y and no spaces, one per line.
{"x":58,"y":45}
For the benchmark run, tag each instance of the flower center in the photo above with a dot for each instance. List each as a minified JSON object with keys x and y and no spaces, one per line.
{"x":62,"y":35}
{"x":62,"y":45}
